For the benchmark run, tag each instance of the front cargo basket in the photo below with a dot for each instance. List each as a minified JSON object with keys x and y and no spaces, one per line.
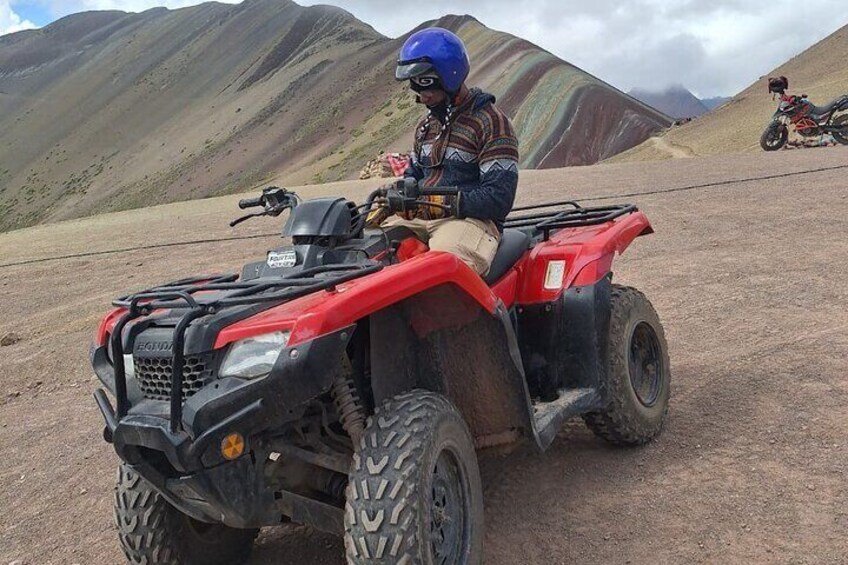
{"x":201,"y":296}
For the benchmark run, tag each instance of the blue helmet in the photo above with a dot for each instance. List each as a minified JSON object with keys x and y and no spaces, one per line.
{"x":434,"y":50}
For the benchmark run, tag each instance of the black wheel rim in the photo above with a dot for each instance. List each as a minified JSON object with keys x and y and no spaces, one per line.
{"x":774,"y":137}
{"x":645,"y":364}
{"x":449,"y":510}
{"x":842,"y":135}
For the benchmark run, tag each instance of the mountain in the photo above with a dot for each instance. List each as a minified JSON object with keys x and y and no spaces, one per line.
{"x":109,"y":110}
{"x":715,"y":102}
{"x":675,"y":101}
{"x":820,"y":72}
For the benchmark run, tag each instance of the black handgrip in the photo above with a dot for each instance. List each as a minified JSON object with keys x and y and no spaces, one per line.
{"x":439,"y":191}
{"x":251,"y":202}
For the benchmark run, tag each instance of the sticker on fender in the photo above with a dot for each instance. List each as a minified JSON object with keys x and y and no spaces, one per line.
{"x":554,"y":275}
{"x":277,"y":259}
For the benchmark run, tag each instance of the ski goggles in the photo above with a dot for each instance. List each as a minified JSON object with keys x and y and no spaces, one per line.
{"x":420,"y":84}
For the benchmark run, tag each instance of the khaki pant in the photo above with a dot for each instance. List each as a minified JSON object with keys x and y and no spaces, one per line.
{"x":473,"y":241}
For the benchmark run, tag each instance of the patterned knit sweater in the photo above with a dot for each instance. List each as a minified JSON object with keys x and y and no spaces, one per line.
{"x":476,"y":151}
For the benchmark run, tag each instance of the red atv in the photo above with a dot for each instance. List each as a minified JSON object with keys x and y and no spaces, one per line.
{"x":346,"y":380}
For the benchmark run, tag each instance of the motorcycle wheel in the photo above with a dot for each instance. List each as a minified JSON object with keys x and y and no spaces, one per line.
{"x":774,"y":137}
{"x":842,"y":135}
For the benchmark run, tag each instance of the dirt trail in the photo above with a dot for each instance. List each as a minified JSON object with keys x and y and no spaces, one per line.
{"x":751,"y":468}
{"x":673,"y":149}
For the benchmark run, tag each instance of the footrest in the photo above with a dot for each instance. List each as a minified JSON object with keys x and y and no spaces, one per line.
{"x":549,"y":416}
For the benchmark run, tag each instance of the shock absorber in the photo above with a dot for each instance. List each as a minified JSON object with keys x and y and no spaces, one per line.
{"x":349,"y":407}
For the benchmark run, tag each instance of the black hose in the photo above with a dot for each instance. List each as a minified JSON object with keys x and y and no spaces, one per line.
{"x":362,"y":217}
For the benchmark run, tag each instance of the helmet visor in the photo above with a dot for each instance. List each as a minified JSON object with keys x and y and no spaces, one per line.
{"x":411,"y":70}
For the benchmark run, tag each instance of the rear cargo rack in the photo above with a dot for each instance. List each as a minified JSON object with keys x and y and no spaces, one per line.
{"x":206,"y":295}
{"x":551,"y":216}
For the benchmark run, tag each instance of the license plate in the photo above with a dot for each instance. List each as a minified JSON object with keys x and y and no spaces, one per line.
{"x":281,"y":259}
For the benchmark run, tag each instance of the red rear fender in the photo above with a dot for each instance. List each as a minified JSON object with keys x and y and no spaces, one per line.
{"x":577,"y":257}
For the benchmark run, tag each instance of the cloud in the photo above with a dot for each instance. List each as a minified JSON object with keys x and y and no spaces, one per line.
{"x":713,"y":48}
{"x":10,"y":22}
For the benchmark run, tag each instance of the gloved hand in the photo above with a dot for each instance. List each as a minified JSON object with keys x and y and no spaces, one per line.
{"x":398,"y":202}
{"x":440,"y":207}
{"x":395,"y":202}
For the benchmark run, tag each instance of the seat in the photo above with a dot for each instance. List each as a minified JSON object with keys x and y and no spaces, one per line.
{"x":512,"y":246}
{"x":822,"y":110}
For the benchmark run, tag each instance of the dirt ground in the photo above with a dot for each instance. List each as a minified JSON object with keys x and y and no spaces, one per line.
{"x":748,"y":278}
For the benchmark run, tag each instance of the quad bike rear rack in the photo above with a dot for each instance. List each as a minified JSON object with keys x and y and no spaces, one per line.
{"x":565,"y":214}
{"x":223,"y":291}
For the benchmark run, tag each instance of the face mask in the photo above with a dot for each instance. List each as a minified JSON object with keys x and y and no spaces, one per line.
{"x":440,"y":111}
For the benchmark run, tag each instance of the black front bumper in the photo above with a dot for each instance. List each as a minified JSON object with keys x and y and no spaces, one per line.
{"x":186,"y":465}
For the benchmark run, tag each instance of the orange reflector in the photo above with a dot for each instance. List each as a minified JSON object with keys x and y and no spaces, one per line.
{"x":232,"y":446}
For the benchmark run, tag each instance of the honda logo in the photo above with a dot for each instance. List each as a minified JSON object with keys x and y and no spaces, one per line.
{"x":154,"y":346}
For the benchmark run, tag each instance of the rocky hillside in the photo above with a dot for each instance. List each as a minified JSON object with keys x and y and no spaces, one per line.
{"x":109,"y":110}
{"x":715,"y":102}
{"x":674,"y":101}
{"x":820,"y":71}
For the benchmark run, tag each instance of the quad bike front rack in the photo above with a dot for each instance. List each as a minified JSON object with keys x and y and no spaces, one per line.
{"x":545,"y":218}
{"x":221,"y":291}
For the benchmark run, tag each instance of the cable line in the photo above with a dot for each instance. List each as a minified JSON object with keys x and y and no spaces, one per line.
{"x":595,"y":198}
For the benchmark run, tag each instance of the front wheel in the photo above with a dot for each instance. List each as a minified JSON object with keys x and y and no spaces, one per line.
{"x":842,"y":134}
{"x":153,"y":532}
{"x":414,"y":493}
{"x":774,"y":137}
{"x":637,"y":381}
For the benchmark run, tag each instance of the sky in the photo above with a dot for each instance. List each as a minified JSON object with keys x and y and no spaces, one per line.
{"x":712,"y":47}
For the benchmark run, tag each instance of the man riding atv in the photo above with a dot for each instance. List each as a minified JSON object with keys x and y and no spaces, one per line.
{"x":347,"y":378}
{"x":463,"y":141}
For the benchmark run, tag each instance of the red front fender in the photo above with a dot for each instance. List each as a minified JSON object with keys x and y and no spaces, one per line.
{"x":323,"y":312}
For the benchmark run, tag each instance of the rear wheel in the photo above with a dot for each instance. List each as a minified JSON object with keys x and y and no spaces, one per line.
{"x":153,"y":532}
{"x":414,"y":493}
{"x":638,"y":375}
{"x":842,"y":135}
{"x":774,"y":137}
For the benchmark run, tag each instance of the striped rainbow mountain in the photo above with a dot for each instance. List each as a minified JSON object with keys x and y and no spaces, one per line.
{"x":121,"y":110}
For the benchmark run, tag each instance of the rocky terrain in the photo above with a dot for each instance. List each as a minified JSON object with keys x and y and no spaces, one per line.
{"x":715,"y":101}
{"x":748,"y":284}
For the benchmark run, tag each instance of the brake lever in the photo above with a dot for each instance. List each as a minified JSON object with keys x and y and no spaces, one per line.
{"x":237,"y":221}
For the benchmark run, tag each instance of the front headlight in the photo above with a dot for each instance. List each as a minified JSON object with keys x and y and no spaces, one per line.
{"x":255,"y":356}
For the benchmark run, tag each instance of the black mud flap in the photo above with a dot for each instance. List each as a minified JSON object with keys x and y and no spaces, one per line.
{"x":564,"y":349}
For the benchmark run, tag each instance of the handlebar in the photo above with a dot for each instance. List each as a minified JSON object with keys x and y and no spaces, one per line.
{"x":409,"y":187}
{"x":274,"y":200}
